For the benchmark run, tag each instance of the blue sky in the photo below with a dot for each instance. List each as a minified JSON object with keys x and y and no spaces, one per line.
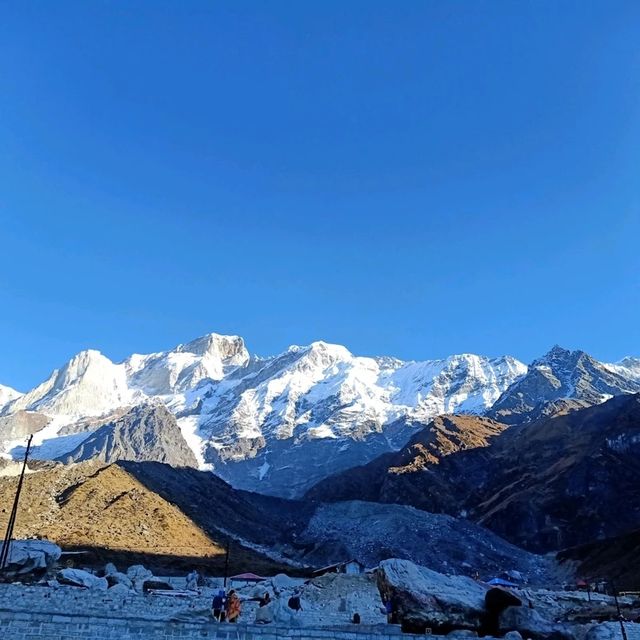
{"x":405,"y":178}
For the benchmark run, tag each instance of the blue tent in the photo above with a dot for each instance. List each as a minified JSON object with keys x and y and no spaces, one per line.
{"x":499,"y":582}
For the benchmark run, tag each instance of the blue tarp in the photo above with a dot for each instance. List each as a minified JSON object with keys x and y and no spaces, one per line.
{"x":499,"y":582}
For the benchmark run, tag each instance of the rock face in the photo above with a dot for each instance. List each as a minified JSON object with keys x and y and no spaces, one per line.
{"x":397,"y":477}
{"x":564,"y":481}
{"x":562,"y":374}
{"x":146,"y":433}
{"x":551,"y":484}
{"x":426,"y":599}
{"x":21,"y":425}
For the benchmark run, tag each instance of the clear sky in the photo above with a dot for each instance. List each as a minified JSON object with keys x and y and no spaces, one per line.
{"x":406,"y":178}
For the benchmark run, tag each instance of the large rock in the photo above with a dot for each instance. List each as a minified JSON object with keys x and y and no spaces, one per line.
{"x":495,"y":602}
{"x":138,"y":574}
{"x":81,"y":578}
{"x":426,"y":599}
{"x":531,"y":624}
{"x":611,"y":631}
{"x":117,"y":577}
{"x":265,"y":615}
{"x":282,"y":582}
{"x":31,"y":557}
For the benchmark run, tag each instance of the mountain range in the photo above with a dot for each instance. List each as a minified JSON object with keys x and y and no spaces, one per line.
{"x":563,"y":480}
{"x":280,"y":425}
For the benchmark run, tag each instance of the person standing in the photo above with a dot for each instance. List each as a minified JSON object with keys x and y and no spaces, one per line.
{"x":218,"y":606}
{"x":234,"y":607}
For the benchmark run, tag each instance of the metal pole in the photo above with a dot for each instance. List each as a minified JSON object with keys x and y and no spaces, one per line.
{"x":4,"y":555}
{"x":226,"y":563}
{"x":620,"y":618}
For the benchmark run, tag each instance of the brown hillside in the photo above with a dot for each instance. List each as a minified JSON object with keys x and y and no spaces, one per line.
{"x":104,"y":507}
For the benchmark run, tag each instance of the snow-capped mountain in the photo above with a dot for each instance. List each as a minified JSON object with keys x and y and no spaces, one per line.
{"x":564,"y":374}
{"x":88,"y":385}
{"x":210,"y":357}
{"x":277,"y":424}
{"x":7,"y":394}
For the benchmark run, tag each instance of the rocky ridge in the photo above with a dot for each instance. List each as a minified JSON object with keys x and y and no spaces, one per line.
{"x":554,"y":483}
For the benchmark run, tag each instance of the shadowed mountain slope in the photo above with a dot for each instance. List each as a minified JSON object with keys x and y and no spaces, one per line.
{"x":558,"y":482}
{"x":147,"y":432}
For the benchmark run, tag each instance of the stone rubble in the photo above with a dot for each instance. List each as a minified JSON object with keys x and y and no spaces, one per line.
{"x":455,"y":606}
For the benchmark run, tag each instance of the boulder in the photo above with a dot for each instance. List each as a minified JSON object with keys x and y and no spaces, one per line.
{"x":531,"y":624}
{"x":138,"y":575}
{"x":31,"y":557}
{"x":283,"y":615}
{"x":495,"y":602}
{"x":265,"y":615}
{"x":81,"y":578}
{"x":282,"y":582}
{"x":605,"y":631}
{"x":425,"y":599}
{"x":117,"y":577}
{"x":498,"y":600}
{"x":110,"y":569}
{"x":512,"y":635}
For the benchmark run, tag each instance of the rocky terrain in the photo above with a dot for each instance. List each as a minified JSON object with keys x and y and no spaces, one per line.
{"x":160,"y":510}
{"x":401,"y":476}
{"x":560,"y":375}
{"x":279,"y":425}
{"x":107,"y":511}
{"x":558,"y":482}
{"x":421,"y":601}
{"x":374,"y":532}
{"x":146,"y":432}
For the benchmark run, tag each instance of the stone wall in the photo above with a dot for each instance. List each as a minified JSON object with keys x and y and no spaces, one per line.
{"x":68,"y":613}
{"x":41,"y":626}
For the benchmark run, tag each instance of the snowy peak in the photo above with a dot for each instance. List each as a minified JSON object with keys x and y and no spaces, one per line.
{"x":563,"y":374}
{"x":88,"y":385}
{"x":210,"y":357}
{"x":227,"y":349}
{"x":628,"y":367}
{"x":7,"y":394}
{"x":86,"y":365}
{"x":280,"y":424}
{"x":317,"y":409}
